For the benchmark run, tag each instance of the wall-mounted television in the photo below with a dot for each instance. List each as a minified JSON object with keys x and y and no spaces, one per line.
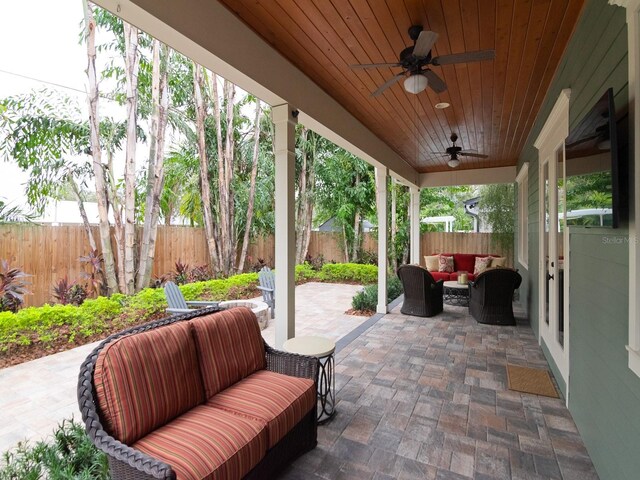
{"x":595,"y":191}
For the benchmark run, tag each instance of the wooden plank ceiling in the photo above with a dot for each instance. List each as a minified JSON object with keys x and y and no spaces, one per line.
{"x":493,"y":103}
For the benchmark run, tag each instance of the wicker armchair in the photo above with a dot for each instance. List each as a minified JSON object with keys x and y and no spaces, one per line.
{"x":126,"y":462}
{"x":422,"y":294}
{"x":491,"y":296}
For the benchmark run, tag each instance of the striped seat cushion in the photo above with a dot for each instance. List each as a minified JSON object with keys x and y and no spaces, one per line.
{"x":278,"y":400}
{"x":208,"y":443}
{"x":145,"y":380}
{"x":230,"y":347}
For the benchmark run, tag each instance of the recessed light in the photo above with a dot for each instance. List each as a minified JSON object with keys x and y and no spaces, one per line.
{"x":442,"y":105}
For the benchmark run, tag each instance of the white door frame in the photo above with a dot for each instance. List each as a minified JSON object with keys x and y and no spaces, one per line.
{"x":550,"y":140}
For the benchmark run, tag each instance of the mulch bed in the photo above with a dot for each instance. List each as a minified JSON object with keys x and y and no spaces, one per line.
{"x":360,"y":313}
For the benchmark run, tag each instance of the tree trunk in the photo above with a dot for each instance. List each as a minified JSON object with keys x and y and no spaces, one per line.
{"x":155,"y":173}
{"x":83,"y":212}
{"x":311,"y":184}
{"x":225,"y":173}
{"x":356,"y":228}
{"x":252,"y":187}
{"x":232,"y":247}
{"x":116,"y":209}
{"x":345,"y":244}
{"x":96,"y":153}
{"x":306,"y":190}
{"x":356,"y":236}
{"x":198,"y":84}
{"x":394,"y":227}
{"x":301,"y":195}
{"x":132,"y":63}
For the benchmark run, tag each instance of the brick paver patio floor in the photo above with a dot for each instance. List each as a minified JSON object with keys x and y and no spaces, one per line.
{"x":426,"y":398}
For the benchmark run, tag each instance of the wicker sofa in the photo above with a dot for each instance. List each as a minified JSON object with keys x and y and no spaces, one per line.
{"x":461,"y":262}
{"x":198,"y":395}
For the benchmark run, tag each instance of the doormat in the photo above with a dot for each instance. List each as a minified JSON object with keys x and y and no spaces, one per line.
{"x":531,"y":380}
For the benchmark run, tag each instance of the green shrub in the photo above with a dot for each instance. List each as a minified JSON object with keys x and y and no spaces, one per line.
{"x":49,"y":323}
{"x":394,"y":288}
{"x":69,"y":455}
{"x":143,"y":306}
{"x":367,"y":298}
{"x":349,"y":272}
{"x":305,"y":272}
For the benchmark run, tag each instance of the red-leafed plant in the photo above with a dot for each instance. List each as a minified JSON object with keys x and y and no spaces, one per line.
{"x":95,"y":274}
{"x":181,"y":273}
{"x":69,"y":293}
{"x":13,"y":287}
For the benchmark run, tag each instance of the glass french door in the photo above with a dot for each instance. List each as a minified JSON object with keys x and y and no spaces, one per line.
{"x":554,"y":329}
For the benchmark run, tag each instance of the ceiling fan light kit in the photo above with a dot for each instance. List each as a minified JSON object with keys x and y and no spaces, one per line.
{"x":415,"y":62}
{"x":453,"y":163}
{"x":416,"y":83}
{"x":454,"y":152}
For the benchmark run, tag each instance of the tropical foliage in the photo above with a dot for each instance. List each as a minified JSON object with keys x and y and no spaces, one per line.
{"x":497,"y":208}
{"x":70,"y":454}
{"x":13,"y":287}
{"x":367,"y":299}
{"x":50,"y":325}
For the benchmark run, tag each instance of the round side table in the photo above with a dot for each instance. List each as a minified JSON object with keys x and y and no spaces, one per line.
{"x":323,"y":349}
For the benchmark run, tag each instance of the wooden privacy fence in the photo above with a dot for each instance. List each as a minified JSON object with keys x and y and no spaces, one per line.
{"x":449,"y":242}
{"x":48,"y":253}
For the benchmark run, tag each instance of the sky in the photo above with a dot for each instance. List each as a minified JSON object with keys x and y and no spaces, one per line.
{"x":43,"y":36}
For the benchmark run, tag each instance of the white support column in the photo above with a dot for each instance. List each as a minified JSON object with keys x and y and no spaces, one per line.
{"x":383,"y":229}
{"x":285,"y":234}
{"x":415,"y":225}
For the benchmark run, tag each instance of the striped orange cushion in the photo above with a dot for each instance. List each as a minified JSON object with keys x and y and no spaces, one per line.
{"x":207,"y":443}
{"x":278,"y":400}
{"x":143,"y":381}
{"x":230,"y":347}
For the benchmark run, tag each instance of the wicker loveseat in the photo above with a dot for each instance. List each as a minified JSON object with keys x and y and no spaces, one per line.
{"x":198,"y":396}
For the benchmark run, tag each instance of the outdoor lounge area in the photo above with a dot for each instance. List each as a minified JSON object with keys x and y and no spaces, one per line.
{"x":514,"y":356}
{"x":425,"y":398}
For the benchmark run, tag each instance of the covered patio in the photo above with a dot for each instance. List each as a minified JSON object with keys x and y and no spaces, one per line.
{"x":417,"y":398}
{"x":426,"y":398}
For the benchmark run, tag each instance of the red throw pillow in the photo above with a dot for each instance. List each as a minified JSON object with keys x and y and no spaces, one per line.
{"x":445,"y":264}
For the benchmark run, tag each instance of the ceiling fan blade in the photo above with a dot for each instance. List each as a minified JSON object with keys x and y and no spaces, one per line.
{"x":387,"y":84}
{"x":476,"y":155}
{"x":375,"y":65}
{"x":435,"y":82}
{"x":464,"y":57}
{"x":424,"y":43}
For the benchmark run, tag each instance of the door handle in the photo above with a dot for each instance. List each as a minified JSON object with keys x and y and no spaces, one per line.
{"x":549,"y":276}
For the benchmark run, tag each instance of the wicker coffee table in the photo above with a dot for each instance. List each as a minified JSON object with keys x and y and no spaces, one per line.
{"x":456,"y":294}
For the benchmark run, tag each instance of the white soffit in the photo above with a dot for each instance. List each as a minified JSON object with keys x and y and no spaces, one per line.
{"x":207,"y":32}
{"x":479,"y":176}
